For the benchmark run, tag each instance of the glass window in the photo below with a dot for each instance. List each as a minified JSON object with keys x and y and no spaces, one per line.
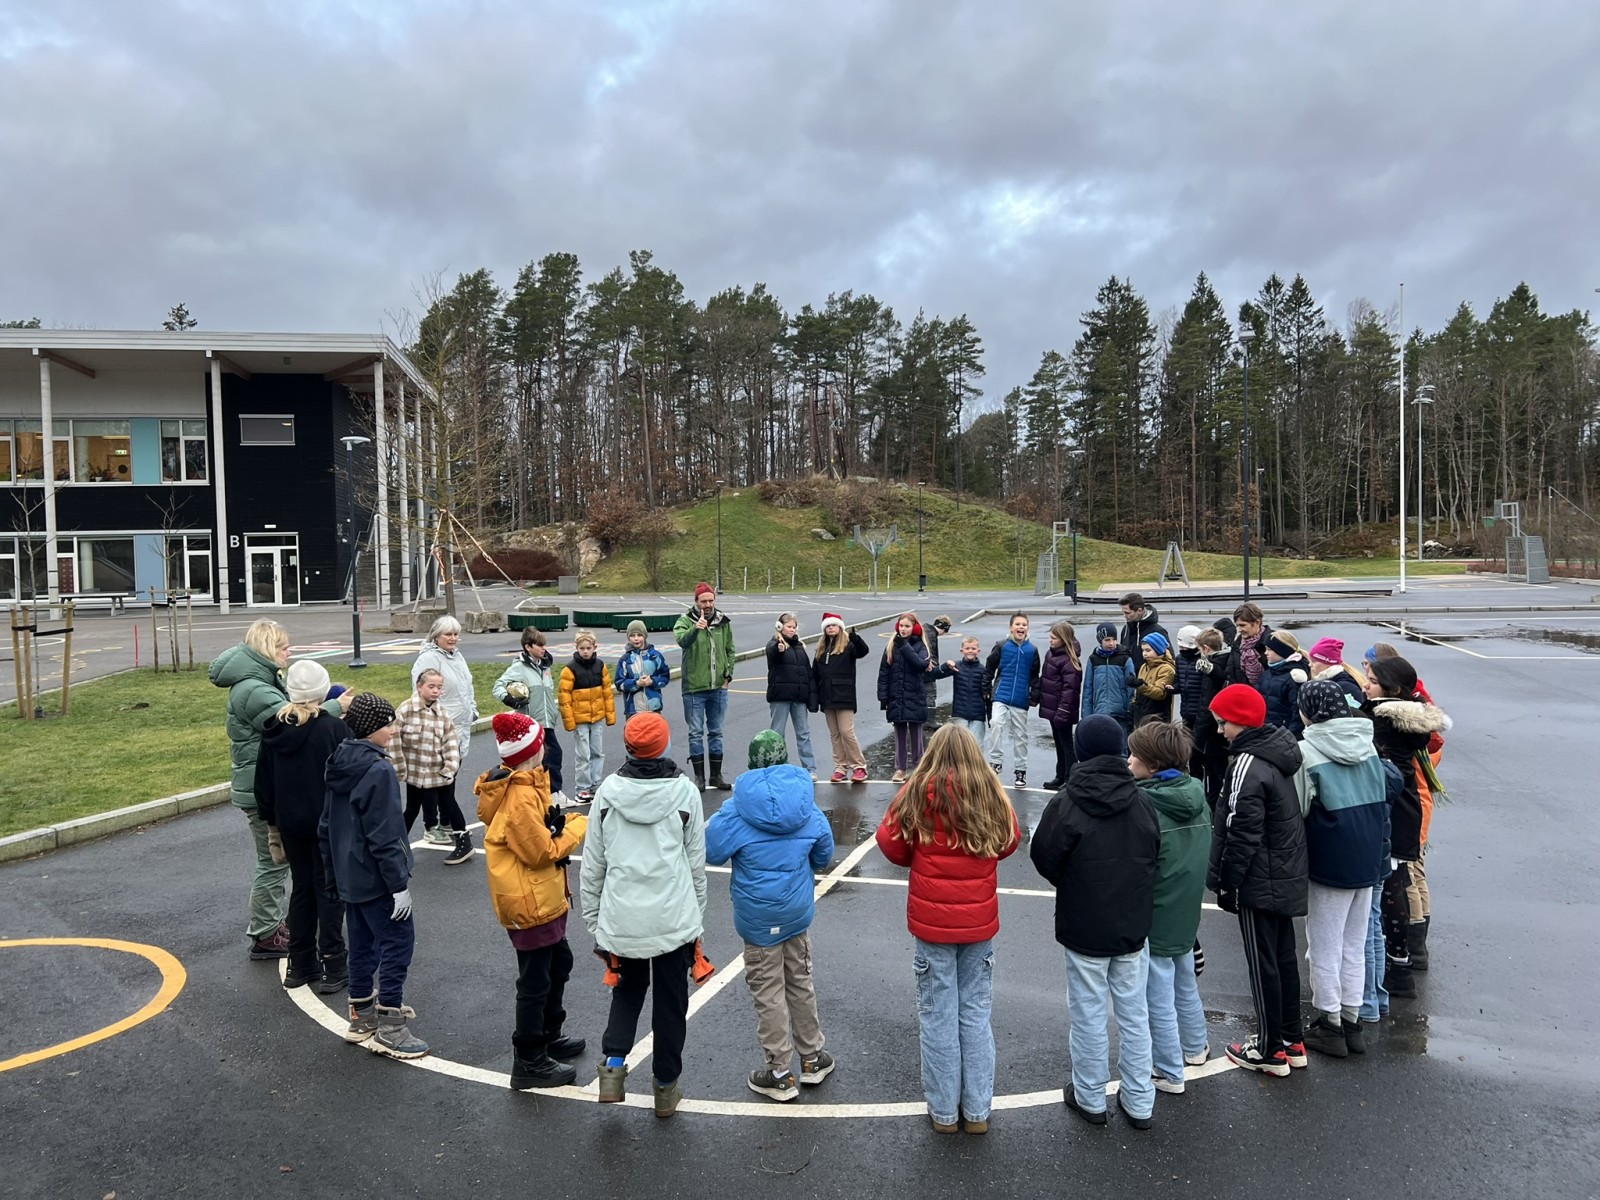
{"x":183,"y":451}
{"x":5,"y":464}
{"x":270,"y":429}
{"x":30,"y":451}
{"x":103,"y":451}
{"x":189,"y":562}
{"x":104,"y":565}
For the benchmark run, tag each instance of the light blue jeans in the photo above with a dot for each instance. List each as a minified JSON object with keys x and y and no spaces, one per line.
{"x":589,"y":754}
{"x":1375,"y":997}
{"x":703,"y":712}
{"x":978,"y":729}
{"x":1090,"y":981}
{"x":955,"y":988}
{"x":1177,"y":1018}
{"x":797,"y":715}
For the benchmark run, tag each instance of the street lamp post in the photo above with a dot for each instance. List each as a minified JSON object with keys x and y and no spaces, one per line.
{"x":1072,"y":524}
{"x":719,"y":537}
{"x":922,"y":579}
{"x":1246,"y":336}
{"x":350,"y":444}
{"x":1261,"y":542}
{"x":1424,"y":396}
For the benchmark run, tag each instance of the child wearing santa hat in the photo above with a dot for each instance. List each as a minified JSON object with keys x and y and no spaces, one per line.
{"x":527,"y":842}
{"x":834,"y":669}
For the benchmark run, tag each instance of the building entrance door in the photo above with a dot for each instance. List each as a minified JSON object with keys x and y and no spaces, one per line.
{"x":272,"y":569}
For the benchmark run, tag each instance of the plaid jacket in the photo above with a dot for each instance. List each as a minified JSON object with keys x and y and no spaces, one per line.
{"x":425,"y":748}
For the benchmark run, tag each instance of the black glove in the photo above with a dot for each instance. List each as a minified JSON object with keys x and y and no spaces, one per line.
{"x":1228,"y":901}
{"x":555,"y":820}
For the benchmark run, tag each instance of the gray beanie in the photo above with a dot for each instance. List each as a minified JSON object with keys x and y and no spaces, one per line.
{"x":306,"y":681}
{"x":637,"y":627}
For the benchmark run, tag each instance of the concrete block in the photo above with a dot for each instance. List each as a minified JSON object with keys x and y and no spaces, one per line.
{"x":408,"y":622}
{"x":86,"y":829}
{"x":484,"y":622}
{"x":27,"y":843}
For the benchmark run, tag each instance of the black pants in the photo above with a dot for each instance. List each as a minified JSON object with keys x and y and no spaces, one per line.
{"x":436,"y":804}
{"x":1066,"y":752}
{"x":552,"y":758}
{"x":316,"y":921}
{"x":1394,"y":909}
{"x":1269,"y":952}
{"x":669,"y":1015}
{"x":542,"y":976}
{"x":1215,"y":756}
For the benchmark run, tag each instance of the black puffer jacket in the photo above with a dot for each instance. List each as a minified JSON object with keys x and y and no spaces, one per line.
{"x":1399,"y":729}
{"x":789,"y":679}
{"x":900,"y":681}
{"x":834,"y":675}
{"x":1134,"y":632}
{"x":290,"y":774}
{"x":1098,"y":843}
{"x":1258,"y":838}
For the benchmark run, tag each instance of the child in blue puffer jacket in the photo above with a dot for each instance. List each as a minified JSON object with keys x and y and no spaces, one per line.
{"x":1108,"y":677}
{"x":776,"y":836}
{"x":969,"y":698}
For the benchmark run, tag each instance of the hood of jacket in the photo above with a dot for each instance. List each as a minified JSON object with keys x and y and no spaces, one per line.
{"x":1343,"y":739}
{"x":1175,"y":799}
{"x":350,"y":762}
{"x":637,"y":793}
{"x":1102,"y":786}
{"x":289,"y":740}
{"x":239,"y":663}
{"x":777,"y":800}
{"x":1270,"y":744}
{"x":1412,"y":716}
{"x":492,"y":788}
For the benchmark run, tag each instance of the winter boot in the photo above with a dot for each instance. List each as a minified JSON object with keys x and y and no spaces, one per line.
{"x":363,"y":1020}
{"x":301,"y":973}
{"x":463,"y":851}
{"x":698,"y":762}
{"x":666,"y":1097}
{"x":1353,"y":1039}
{"x":613,"y":1082}
{"x":335,"y":975}
{"x":536,"y":1069}
{"x":393,"y":1038}
{"x":1417,"y":944}
{"x":1398,"y":980}
{"x":717,"y":781}
{"x":1325,"y":1035}
{"x":565,"y":1047}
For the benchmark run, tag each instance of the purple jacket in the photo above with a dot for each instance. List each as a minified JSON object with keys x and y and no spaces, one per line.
{"x":1060,"y":686}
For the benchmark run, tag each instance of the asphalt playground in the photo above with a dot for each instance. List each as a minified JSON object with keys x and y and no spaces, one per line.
{"x":142,"y":1054}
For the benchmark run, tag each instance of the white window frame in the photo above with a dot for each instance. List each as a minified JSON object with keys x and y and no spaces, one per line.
{"x":288,"y":417}
{"x":183,"y":458}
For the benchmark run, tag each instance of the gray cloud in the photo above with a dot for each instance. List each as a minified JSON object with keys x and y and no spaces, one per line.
{"x":305,"y":166}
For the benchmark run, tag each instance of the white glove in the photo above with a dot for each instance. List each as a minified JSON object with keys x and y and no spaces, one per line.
{"x":402,"y":906}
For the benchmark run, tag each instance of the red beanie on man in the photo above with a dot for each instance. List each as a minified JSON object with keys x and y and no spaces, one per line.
{"x":1241,"y":704}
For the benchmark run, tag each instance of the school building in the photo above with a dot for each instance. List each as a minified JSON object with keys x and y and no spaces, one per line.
{"x":238,"y":467}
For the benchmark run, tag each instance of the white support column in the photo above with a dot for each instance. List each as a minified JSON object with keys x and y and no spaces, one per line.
{"x":220,"y":557}
{"x":380,"y":511}
{"x":47,"y":428}
{"x":402,"y":470}
{"x":423,"y":540}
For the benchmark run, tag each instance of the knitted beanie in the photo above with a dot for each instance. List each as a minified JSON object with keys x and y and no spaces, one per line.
{"x":1099,"y":735}
{"x":368,"y":713}
{"x":637,"y":627}
{"x":1327,"y":651}
{"x":702,"y":588}
{"x":1187,"y":637}
{"x":1323,"y":700}
{"x":1104,"y":630}
{"x":517,"y":738}
{"x":307,"y":681}
{"x":1241,"y":704}
{"x":767,"y":749}
{"x":646,"y":735}
{"x":1156,"y":642}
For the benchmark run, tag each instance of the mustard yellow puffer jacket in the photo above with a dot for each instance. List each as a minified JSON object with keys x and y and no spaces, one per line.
{"x":527,"y":887}
{"x":587,"y":696}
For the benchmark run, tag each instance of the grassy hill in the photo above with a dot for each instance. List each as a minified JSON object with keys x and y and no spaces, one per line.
{"x":973,"y":546}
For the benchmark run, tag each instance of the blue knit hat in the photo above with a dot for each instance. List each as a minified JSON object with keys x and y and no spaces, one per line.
{"x":1156,"y":642}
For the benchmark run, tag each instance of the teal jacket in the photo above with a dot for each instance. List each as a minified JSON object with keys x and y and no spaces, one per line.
{"x":707,"y":653}
{"x":542,"y":679}
{"x":1180,"y":802}
{"x":255,"y":694}
{"x":643,"y":887}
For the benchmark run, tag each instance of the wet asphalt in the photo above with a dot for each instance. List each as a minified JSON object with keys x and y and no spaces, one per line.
{"x":1479,"y":1087}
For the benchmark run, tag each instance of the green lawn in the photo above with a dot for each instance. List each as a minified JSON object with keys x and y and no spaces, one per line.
{"x":975,"y":546}
{"x":141,"y":736}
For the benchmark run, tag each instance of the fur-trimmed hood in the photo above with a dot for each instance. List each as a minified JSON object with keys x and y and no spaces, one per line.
{"x":1413,"y":716}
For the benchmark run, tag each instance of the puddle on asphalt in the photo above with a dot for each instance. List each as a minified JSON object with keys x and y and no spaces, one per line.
{"x":1560,"y":637}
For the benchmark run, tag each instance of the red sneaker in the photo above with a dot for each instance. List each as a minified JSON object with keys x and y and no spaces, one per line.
{"x":1249,"y":1056}
{"x":1295,"y":1052}
{"x":859,"y":775}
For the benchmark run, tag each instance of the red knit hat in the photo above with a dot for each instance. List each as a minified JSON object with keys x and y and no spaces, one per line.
{"x":1241,"y":704}
{"x":702,"y":588}
{"x":518,"y":738}
{"x":832,"y":619}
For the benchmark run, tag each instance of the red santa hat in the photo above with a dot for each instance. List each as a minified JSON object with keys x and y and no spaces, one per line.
{"x":518,"y":738}
{"x":832,"y":619}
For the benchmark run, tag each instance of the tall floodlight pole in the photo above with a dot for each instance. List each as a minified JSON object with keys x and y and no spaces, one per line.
{"x":1424,"y":396}
{"x":1246,"y":336}
{"x":1074,"y":457}
{"x":1261,"y":541}
{"x":719,"y":537}
{"x":1402,"y":437}
{"x":350,"y":444}
{"x":922,"y":579}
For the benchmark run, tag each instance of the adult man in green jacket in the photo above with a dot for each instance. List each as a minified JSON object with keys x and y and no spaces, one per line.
{"x":705,"y":635}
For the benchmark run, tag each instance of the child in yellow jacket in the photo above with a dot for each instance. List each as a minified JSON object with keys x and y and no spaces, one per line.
{"x":587,"y":699}
{"x":1158,"y":680}
{"x":526,"y":843}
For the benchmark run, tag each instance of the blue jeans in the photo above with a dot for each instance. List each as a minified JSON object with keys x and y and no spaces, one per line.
{"x":1089,"y":982}
{"x":703,"y":712}
{"x":589,"y":754}
{"x":955,"y":989}
{"x":382,"y":946}
{"x":1177,"y":1018}
{"x":1375,"y":997}
{"x":797,"y":715}
{"x":978,"y":729}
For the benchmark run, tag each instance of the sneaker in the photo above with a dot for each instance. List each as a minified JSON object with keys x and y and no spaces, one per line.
{"x":1053,"y":785}
{"x":1249,"y":1056}
{"x":815,"y":1069}
{"x":1136,"y":1122}
{"x":612,"y":1081}
{"x":996,"y":767}
{"x":781,"y":1088}
{"x":393,"y":1038}
{"x":274,"y":945}
{"x":541,"y":1071}
{"x":463,"y":851}
{"x":1295,"y":1052}
{"x":585,"y":795}
{"x":1172,"y":1087}
{"x":1200,"y":1059}
{"x":859,"y":775}
{"x":898,"y":777}
{"x":813,"y":775}
{"x":562,"y":800}
{"x":667,"y":1096}
{"x":1327,"y":1037}
{"x":1071,"y":1099}
{"x":1022,"y":779}
{"x":839,"y":776}
{"x":438,"y":835}
{"x":566,"y":1047}
{"x":1354,"y":1041}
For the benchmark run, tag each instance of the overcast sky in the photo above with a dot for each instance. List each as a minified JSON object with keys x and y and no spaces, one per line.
{"x":309,"y":166}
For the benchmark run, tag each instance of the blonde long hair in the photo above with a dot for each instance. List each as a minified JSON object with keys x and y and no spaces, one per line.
{"x":888,"y":651}
{"x":837,"y":644}
{"x":1063,"y":630}
{"x":954,"y":794}
{"x":266,"y":637}
{"x":299,"y":712}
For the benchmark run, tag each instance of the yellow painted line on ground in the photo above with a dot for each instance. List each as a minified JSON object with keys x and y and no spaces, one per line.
{"x":173,"y":977}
